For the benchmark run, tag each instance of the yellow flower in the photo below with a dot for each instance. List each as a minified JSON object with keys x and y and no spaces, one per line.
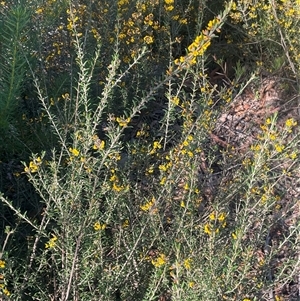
{"x":207,"y":229}
{"x":175,"y":100}
{"x":279,"y":148}
{"x":113,"y":178}
{"x":51,"y":243}
{"x":159,"y":261}
{"x":190,"y":154}
{"x":263,"y":127}
{"x":6,"y":292}
{"x":33,"y":165}
{"x":185,"y":143}
{"x":212,"y":23}
{"x":2,"y":264}
{"x":125,"y":224}
{"x":162,"y":167}
{"x":212,"y":216}
{"x":163,"y":181}
{"x":74,"y":151}
{"x":39,"y":10}
{"x":118,"y":188}
{"x":148,"y":40}
{"x":150,"y":170}
{"x":268,"y":121}
{"x":264,"y":198}
{"x":156,"y":145}
{"x":169,"y":8}
{"x":256,"y":147}
{"x":186,"y":186}
{"x":123,"y":122}
{"x":148,"y":205}
{"x":291,"y":122}
{"x":98,"y":144}
{"x":98,"y":226}
{"x":233,"y":235}
{"x":222,"y":216}
{"x":191,"y":284}
{"x":187,"y":263}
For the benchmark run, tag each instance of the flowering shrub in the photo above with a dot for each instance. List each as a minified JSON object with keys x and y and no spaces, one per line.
{"x":157,"y":169}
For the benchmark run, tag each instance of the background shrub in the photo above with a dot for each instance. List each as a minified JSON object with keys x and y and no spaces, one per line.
{"x":159,"y":147}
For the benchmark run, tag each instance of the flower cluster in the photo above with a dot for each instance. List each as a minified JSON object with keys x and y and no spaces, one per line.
{"x":99,"y":226}
{"x":217,"y":221}
{"x":2,"y":264}
{"x":275,"y":137}
{"x":200,"y":44}
{"x":115,"y":181}
{"x":3,"y":288}
{"x":156,"y":146}
{"x":74,"y":151}
{"x":148,"y":205}
{"x":34,"y":165}
{"x":195,"y":50}
{"x":169,"y":5}
{"x":159,"y":261}
{"x":51,"y":243}
{"x":123,"y":122}
{"x":98,"y":144}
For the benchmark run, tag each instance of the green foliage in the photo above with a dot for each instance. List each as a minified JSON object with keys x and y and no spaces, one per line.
{"x":165,"y":165}
{"x":13,"y":36}
{"x":13,"y":68}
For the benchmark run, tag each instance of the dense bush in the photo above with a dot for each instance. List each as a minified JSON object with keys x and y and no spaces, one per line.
{"x":149,"y":150}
